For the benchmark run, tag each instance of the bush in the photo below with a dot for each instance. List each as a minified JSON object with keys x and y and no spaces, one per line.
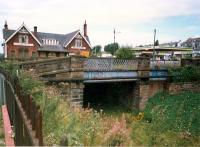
{"x":10,"y":67}
{"x":185,"y":74}
{"x":125,"y":53}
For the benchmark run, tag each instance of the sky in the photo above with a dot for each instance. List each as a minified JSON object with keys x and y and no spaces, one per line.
{"x":134,"y":20}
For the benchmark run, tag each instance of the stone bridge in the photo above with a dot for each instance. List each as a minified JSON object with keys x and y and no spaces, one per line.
{"x":75,"y":74}
{"x":94,"y":69}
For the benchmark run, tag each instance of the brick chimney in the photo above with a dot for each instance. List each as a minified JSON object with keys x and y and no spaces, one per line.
{"x":85,"y":29}
{"x":35,"y":30}
{"x":6,"y":25}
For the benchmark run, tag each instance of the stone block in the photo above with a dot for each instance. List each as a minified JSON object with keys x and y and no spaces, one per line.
{"x":73,"y":85}
{"x":77,"y":74}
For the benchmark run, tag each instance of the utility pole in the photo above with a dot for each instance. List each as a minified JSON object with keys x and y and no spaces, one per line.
{"x":154,"y":44}
{"x":114,"y":35}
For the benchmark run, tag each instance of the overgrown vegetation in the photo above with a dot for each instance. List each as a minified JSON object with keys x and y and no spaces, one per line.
{"x":10,"y":67}
{"x":185,"y":74}
{"x":76,"y":125}
{"x":168,"y":120}
{"x":173,"y":120}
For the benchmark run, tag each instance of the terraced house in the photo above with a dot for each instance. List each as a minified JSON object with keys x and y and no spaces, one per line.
{"x":25,"y":44}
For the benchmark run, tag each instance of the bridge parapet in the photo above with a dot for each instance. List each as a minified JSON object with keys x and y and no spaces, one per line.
{"x":164,"y":64}
{"x":110,"y":64}
{"x":74,"y":67}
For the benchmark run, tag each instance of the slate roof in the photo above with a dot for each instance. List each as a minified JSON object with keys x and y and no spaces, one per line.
{"x":7,"y":33}
{"x":189,"y":42}
{"x":63,"y":39}
{"x":54,"y":48}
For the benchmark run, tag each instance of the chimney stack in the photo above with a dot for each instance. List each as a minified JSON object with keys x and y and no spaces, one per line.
{"x":35,"y":30}
{"x":85,"y":29}
{"x":6,"y":25}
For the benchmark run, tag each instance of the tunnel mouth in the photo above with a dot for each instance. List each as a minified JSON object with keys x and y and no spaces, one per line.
{"x":109,"y":97}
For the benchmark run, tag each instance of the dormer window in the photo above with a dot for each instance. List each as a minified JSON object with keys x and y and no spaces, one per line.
{"x":50,"y":42}
{"x":78,"y":43}
{"x":23,"y":39}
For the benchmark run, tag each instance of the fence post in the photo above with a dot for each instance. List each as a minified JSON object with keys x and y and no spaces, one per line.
{"x":37,"y":121}
{"x":40,"y":129}
{"x":31,"y":108}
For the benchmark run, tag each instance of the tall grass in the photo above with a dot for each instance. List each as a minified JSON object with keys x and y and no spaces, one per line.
{"x":172,"y":120}
{"x":76,"y":126}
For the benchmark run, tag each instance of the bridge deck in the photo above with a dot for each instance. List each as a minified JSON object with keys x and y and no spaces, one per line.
{"x":85,"y":69}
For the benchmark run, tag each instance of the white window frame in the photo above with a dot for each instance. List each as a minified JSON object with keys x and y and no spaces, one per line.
{"x":23,"y":39}
{"x":78,"y":43}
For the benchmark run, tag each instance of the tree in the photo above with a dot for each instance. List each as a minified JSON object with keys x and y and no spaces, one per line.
{"x":156,"y":43}
{"x":125,"y":53}
{"x":96,"y":49}
{"x":111,"y":48}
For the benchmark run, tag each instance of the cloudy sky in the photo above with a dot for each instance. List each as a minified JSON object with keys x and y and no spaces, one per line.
{"x":134,"y":20}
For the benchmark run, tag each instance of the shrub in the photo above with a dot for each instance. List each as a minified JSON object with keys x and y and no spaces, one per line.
{"x":125,"y":53}
{"x":185,"y":74}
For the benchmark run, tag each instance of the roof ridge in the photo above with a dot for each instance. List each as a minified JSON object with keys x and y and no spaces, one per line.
{"x":58,"y":33}
{"x":73,"y":32}
{"x":68,"y":40}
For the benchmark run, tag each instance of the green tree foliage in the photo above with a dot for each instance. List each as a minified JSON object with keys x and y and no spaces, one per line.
{"x":125,"y":53}
{"x":185,"y":74}
{"x":111,"y":48}
{"x":96,"y":49}
{"x":1,"y":57}
{"x":156,"y":43}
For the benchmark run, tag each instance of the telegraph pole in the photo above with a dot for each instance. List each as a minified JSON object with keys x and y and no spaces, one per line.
{"x":154,"y":40}
{"x":114,"y":35}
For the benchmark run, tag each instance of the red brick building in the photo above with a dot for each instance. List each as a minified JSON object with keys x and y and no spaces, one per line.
{"x":23,"y":43}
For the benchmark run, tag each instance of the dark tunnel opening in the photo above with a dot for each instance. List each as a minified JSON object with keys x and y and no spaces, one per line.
{"x":116,"y":95}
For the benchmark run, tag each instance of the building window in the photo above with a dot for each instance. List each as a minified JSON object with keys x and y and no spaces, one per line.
{"x":50,"y":42}
{"x":33,"y":55}
{"x":23,"y":53}
{"x":78,"y":43}
{"x":12,"y":54}
{"x":23,"y":38}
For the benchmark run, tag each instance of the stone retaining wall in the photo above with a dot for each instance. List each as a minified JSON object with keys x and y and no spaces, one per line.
{"x":149,"y":89}
{"x":174,"y":88}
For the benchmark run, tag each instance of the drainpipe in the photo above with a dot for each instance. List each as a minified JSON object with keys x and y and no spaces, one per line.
{"x":5,"y":51}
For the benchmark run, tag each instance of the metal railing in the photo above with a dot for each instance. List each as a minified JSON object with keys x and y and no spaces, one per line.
{"x":25,"y":115}
{"x":109,"y":64}
{"x":165,"y":64}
